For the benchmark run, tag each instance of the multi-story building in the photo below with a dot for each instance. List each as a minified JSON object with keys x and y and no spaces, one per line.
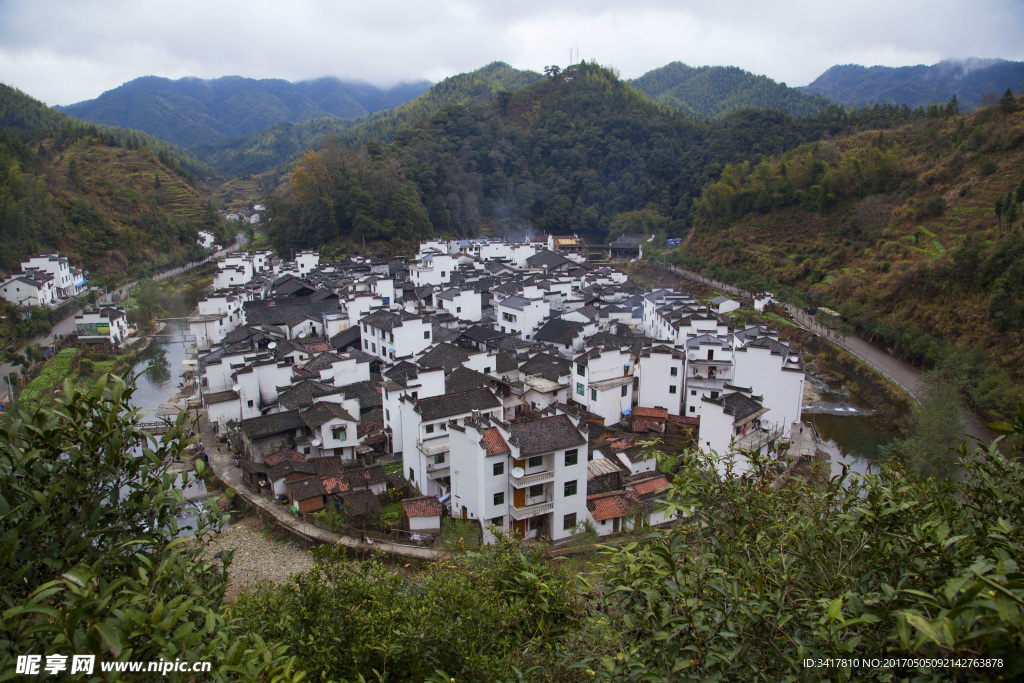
{"x":394,"y":334}
{"x":59,"y":268}
{"x":528,"y":478}
{"x":603,"y":382}
{"x":521,"y":316}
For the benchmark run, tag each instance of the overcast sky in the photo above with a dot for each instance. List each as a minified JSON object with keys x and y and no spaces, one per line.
{"x":64,"y":51}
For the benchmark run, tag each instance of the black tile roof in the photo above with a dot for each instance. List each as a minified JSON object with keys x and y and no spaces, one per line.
{"x":444,"y":355}
{"x":545,"y":435}
{"x":324,"y":411}
{"x":438,"y":407}
{"x":558,"y":331}
{"x":464,"y":379}
{"x":269,"y":425}
{"x":547,"y":366}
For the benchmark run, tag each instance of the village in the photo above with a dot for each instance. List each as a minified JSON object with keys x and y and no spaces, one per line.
{"x":513,"y":385}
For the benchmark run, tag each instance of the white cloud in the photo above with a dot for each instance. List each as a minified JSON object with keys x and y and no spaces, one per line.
{"x":65,"y":50}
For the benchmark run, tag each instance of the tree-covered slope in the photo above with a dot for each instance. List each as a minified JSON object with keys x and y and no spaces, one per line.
{"x":914,"y":235}
{"x":284,"y":142}
{"x":714,"y":91}
{"x":583,"y":152}
{"x":192,"y":110}
{"x":973,"y":81}
{"x":112,"y":204}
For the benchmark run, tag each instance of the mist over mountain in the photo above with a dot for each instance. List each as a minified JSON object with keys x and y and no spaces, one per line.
{"x":974,"y":81}
{"x":188,"y":111}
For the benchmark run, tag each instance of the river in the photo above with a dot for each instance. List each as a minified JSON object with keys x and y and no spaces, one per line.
{"x":851,"y":433}
{"x":159,"y":372}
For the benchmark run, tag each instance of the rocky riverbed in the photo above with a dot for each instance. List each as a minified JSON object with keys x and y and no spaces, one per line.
{"x":259,"y":555}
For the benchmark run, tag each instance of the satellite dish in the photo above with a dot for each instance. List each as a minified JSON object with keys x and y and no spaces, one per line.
{"x":317,"y":442}
{"x":692,"y":355}
{"x":236,"y":387}
{"x":518,"y":472}
{"x":272,"y":345}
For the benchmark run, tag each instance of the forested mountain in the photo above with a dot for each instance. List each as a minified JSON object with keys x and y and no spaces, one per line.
{"x":284,"y":142}
{"x":193,"y":110}
{"x":100,"y":195}
{"x":914,"y":235}
{"x":582,"y":152}
{"x":714,"y":91}
{"x":973,"y":81}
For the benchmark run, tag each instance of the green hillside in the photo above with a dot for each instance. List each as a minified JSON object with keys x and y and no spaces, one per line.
{"x":95,"y":194}
{"x":913,"y":235}
{"x":190,"y":111}
{"x":714,"y":91}
{"x":583,"y":152}
{"x":284,"y":142}
{"x":974,"y":82}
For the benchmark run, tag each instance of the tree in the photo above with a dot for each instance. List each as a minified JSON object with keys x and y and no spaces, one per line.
{"x":146,"y":302}
{"x":92,"y":562}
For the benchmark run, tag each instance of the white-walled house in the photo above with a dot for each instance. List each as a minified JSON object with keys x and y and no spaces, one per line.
{"x":425,"y":432}
{"x":333,"y":430}
{"x":307,"y":261}
{"x":464,"y":304}
{"x":603,"y":383}
{"x":206,"y":239}
{"x":215,"y":316}
{"x":394,"y":334}
{"x":709,"y":367}
{"x":433,"y":269}
{"x":661,"y":372}
{"x":723,"y":304}
{"x":405,"y":379}
{"x":528,"y":478}
{"x":34,"y":288}
{"x":774,"y":371}
{"x":736,"y":421}
{"x":59,"y":268}
{"x":106,"y":325}
{"x":521,"y":316}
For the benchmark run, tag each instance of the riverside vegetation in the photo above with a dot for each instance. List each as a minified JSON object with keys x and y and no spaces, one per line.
{"x":755,"y":581}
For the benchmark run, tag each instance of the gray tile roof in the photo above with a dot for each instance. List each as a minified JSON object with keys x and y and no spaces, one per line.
{"x":462,"y":403}
{"x":545,"y":435}
{"x":269,"y":425}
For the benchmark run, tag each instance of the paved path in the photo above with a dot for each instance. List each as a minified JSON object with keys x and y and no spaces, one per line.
{"x":223,"y":466}
{"x":904,"y":375}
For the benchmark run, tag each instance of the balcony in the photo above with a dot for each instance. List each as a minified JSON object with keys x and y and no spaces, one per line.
{"x":757,"y":439}
{"x":438,"y":471}
{"x":532,"y":479}
{"x":542,"y":507}
{"x":433,"y":447}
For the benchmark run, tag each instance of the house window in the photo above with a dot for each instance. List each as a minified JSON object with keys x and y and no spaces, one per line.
{"x":250,"y":403}
{"x":571,"y":457}
{"x":579,"y":388}
{"x":426,"y":335}
{"x":569,"y":489}
{"x":580,"y":370}
{"x":693,"y":392}
{"x":387,"y":414}
{"x":672,"y":389}
{"x":593,"y":394}
{"x":499,"y":469}
{"x":487,"y":369}
{"x":364,"y":327}
{"x":339,"y":432}
{"x":429,"y":429}
{"x":711,"y":354}
{"x":569,"y":521}
{"x":373,"y":348}
{"x":625,"y":389}
{"x":444,"y":427}
{"x":458,"y":309}
{"x":693,"y":409}
{"x":499,"y":498}
{"x":391,"y":337}
{"x":535,"y":461}
{"x":439,"y":459}
{"x":498,"y":522}
{"x":536,"y":490}
{"x":675,"y":372}
{"x":366,"y":344}
{"x":714,"y":394}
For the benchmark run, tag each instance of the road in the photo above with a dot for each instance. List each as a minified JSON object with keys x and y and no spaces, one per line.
{"x":67,"y":325}
{"x":904,"y":375}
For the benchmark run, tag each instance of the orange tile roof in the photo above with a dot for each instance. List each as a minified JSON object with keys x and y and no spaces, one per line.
{"x":495,"y":442}
{"x":604,"y":506}
{"x":642,"y":488}
{"x":281,"y":456}
{"x":657,"y":413}
{"x":426,"y":506}
{"x":336,"y":484}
